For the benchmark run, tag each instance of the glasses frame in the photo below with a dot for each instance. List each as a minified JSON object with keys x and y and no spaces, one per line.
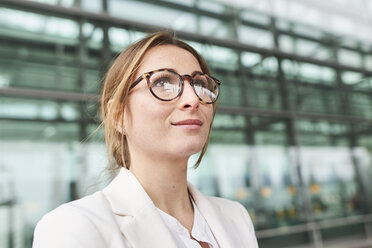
{"x":147,"y":76}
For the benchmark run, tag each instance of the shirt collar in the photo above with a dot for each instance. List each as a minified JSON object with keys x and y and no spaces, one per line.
{"x":199,"y":229}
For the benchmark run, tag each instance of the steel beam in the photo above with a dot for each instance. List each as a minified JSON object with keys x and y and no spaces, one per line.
{"x":49,"y":94}
{"x":333,"y":7}
{"x":57,"y":120}
{"x":88,"y":97}
{"x":228,"y":18}
{"x":189,"y":9}
{"x":94,"y":121}
{"x":99,"y":18}
{"x":94,"y":53}
{"x":325,"y":224}
{"x":291,"y":114}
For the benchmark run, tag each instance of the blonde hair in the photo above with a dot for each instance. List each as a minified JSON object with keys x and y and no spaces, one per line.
{"x":116,"y":88}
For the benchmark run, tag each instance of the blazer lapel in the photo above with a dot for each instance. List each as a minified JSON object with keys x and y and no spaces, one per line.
{"x":146,"y":229}
{"x":220,"y":225}
{"x":136,"y":214}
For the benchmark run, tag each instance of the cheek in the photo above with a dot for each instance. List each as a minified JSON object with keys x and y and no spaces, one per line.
{"x":209,"y":114}
{"x":208,"y":121}
{"x":147,"y":121}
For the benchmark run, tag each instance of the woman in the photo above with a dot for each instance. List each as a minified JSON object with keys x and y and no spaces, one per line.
{"x":158,"y":104}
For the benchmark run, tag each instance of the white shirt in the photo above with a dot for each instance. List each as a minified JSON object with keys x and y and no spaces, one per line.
{"x":200,"y":230}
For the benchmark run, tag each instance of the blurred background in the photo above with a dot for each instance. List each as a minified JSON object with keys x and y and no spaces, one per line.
{"x":291,"y":140}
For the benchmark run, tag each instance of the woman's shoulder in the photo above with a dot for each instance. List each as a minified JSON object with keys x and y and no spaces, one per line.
{"x":227,"y":205}
{"x":232,"y":210}
{"x":232,"y":215}
{"x":75,"y":224}
{"x":85,"y":208}
{"x":223,"y":202}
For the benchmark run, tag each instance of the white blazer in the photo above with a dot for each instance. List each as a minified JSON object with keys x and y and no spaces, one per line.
{"x":123,"y":216}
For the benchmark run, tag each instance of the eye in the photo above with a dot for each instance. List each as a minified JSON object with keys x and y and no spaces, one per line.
{"x":162,"y":82}
{"x":165,"y":85}
{"x":200,"y":82}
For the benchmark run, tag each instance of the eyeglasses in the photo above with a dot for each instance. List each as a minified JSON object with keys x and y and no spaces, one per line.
{"x":166,"y":85}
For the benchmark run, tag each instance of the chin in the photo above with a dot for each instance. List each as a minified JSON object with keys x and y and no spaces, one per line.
{"x":192,"y":149}
{"x":187,"y":146}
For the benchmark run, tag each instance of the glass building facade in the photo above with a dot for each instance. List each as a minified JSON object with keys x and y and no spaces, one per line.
{"x":291,"y":140}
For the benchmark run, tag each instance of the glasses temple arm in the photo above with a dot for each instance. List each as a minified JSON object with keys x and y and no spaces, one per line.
{"x":136,"y":82}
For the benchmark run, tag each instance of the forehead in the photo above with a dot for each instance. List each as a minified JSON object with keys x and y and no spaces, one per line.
{"x":169,"y":56}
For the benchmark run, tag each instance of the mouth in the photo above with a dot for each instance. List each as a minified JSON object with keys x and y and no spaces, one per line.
{"x":188,"y":124}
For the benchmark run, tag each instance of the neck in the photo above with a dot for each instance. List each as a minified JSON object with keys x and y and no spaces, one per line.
{"x":165,"y":181}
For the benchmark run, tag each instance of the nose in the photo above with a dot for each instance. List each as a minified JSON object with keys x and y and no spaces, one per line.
{"x":189,"y":100}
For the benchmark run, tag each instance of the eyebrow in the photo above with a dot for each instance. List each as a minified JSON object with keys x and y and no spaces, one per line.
{"x":174,"y":70}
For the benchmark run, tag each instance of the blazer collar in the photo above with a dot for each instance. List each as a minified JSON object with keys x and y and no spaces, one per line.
{"x":136,"y":214}
{"x":126,"y":195}
{"x":217,"y":219}
{"x":141,"y":224}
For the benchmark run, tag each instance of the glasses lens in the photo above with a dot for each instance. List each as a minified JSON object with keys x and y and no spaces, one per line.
{"x":206,"y":88}
{"x":165,"y":85}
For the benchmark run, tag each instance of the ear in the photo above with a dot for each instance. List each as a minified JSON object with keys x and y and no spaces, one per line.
{"x":118,"y":124}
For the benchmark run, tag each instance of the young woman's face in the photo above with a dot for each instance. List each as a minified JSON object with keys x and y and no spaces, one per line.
{"x":172,"y":129}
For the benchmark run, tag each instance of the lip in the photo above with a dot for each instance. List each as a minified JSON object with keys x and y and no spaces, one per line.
{"x":191,"y":122}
